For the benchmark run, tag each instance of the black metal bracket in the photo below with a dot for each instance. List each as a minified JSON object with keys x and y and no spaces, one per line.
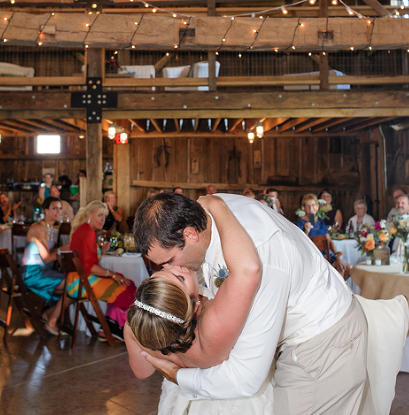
{"x":94,"y":100}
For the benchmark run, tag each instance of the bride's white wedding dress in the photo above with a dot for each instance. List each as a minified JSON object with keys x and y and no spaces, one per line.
{"x":172,"y":402}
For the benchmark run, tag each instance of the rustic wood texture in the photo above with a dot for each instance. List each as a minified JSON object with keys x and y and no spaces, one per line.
{"x":162,"y":32}
{"x":335,"y":104}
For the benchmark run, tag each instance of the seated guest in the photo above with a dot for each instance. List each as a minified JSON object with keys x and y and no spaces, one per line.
{"x":178,"y":190}
{"x":211,"y":189}
{"x":107,"y":285}
{"x":67,"y":210}
{"x":44,"y":190}
{"x":265,"y":199}
{"x":115,"y":214}
{"x":273,"y":193}
{"x":7,"y":212}
{"x":65,"y":183}
{"x":394,"y":211}
{"x":402,"y":207}
{"x":249,"y":192}
{"x":311,"y":206}
{"x":334,"y":215}
{"x":361,"y":218}
{"x":37,"y":274}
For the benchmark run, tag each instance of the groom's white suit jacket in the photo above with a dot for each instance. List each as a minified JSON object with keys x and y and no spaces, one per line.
{"x":300,"y":296}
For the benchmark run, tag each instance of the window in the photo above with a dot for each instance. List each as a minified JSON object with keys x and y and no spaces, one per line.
{"x":48,"y":144}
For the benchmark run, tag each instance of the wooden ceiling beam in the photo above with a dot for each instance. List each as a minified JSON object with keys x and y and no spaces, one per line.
{"x":136,"y":124}
{"x":310,"y":124}
{"x":234,"y":124}
{"x":270,"y":123}
{"x":369,"y":123}
{"x":290,"y":124}
{"x":161,"y":32}
{"x":216,"y":124}
{"x":330,"y":124}
{"x":156,"y":125}
{"x":381,"y":10}
{"x":176,"y":121}
{"x":18,"y":126}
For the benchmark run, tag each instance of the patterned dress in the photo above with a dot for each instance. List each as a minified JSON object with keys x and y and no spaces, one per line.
{"x":84,"y":244}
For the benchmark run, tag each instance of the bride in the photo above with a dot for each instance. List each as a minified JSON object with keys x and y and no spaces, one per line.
{"x":171,"y":320}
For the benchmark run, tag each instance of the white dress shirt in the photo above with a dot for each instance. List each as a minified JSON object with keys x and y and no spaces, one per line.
{"x":367,"y":220}
{"x":300,"y":296}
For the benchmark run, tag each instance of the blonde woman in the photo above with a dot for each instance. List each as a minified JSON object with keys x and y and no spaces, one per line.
{"x":107,"y":285}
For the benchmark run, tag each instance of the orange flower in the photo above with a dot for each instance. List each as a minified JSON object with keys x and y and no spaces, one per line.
{"x":393,"y":230}
{"x":370,"y":245}
{"x":383,"y":237}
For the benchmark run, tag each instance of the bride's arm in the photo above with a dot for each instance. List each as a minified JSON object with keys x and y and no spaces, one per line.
{"x":224,"y":320}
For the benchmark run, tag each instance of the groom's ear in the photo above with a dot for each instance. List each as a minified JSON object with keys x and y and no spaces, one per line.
{"x":190,"y":235}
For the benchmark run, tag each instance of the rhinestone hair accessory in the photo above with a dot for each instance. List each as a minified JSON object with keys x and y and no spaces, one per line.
{"x":159,"y":313}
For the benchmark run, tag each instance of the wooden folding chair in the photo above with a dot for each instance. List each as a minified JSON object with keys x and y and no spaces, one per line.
{"x":19,"y":229}
{"x":322,"y":243}
{"x":70,"y":263}
{"x":29,"y":304}
{"x":64,"y":229}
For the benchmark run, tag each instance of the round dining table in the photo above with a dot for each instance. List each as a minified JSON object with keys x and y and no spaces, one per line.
{"x":383,"y":282}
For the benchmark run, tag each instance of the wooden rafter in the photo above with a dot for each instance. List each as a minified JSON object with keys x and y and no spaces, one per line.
{"x":290,"y":124}
{"x":381,"y":10}
{"x":271,"y":123}
{"x":311,"y":123}
{"x":136,"y":124}
{"x":216,"y":124}
{"x":197,"y":121}
{"x":367,"y":123}
{"x":235,"y":124}
{"x":177,"y":124}
{"x":330,"y":124}
{"x":156,"y":125}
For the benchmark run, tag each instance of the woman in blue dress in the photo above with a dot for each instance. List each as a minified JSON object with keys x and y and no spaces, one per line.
{"x":37,"y":274}
{"x":311,"y":206}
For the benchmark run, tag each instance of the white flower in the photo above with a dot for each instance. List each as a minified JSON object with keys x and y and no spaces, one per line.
{"x":300,"y":212}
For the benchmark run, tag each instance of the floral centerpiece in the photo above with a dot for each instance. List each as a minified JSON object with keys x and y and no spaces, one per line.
{"x":373,"y":237}
{"x":321,"y":213}
{"x":400,"y":229}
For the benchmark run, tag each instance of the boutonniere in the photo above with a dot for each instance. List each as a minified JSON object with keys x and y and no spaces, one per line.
{"x":220,"y":275}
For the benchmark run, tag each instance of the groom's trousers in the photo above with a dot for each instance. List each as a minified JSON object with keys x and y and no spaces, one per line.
{"x":326,"y":374}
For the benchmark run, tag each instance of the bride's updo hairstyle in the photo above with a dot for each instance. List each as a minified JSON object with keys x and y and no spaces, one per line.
{"x":158,"y":333}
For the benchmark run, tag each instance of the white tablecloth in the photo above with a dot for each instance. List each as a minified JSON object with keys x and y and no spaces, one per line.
{"x":131,"y":266}
{"x":5,"y":238}
{"x":349,"y":250}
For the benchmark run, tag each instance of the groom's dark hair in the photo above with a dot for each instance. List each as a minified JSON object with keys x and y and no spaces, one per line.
{"x":163,"y":217}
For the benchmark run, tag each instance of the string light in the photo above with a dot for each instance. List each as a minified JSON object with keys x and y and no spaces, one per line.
{"x":240,"y":55}
{"x":334,"y":2}
{"x":312,"y":2}
{"x":284,"y":10}
{"x":351,"y":48}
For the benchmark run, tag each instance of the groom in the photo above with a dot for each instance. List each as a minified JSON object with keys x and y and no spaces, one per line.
{"x":303,"y":307}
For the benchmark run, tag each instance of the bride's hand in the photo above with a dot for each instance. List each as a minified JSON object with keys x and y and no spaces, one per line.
{"x":164,"y":367}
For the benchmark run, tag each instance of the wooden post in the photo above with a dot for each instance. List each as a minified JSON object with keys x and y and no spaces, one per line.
{"x":95,"y":62}
{"x":211,"y":57}
{"x":324,"y":68}
{"x":122,"y":177}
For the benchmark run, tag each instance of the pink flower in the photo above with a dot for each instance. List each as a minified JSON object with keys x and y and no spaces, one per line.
{"x":364,"y":233}
{"x":378,"y":226}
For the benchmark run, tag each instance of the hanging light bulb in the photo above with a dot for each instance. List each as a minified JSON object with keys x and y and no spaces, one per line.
{"x":123,"y":137}
{"x":284,"y":10}
{"x":334,"y":2}
{"x":312,"y":2}
{"x":259,"y":129}
{"x":112,"y":131}
{"x":250,"y":137}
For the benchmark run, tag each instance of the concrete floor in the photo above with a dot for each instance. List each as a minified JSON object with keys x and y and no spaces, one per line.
{"x":43,"y":377}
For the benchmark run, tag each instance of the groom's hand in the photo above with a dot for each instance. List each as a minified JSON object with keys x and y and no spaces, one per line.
{"x":165,"y":367}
